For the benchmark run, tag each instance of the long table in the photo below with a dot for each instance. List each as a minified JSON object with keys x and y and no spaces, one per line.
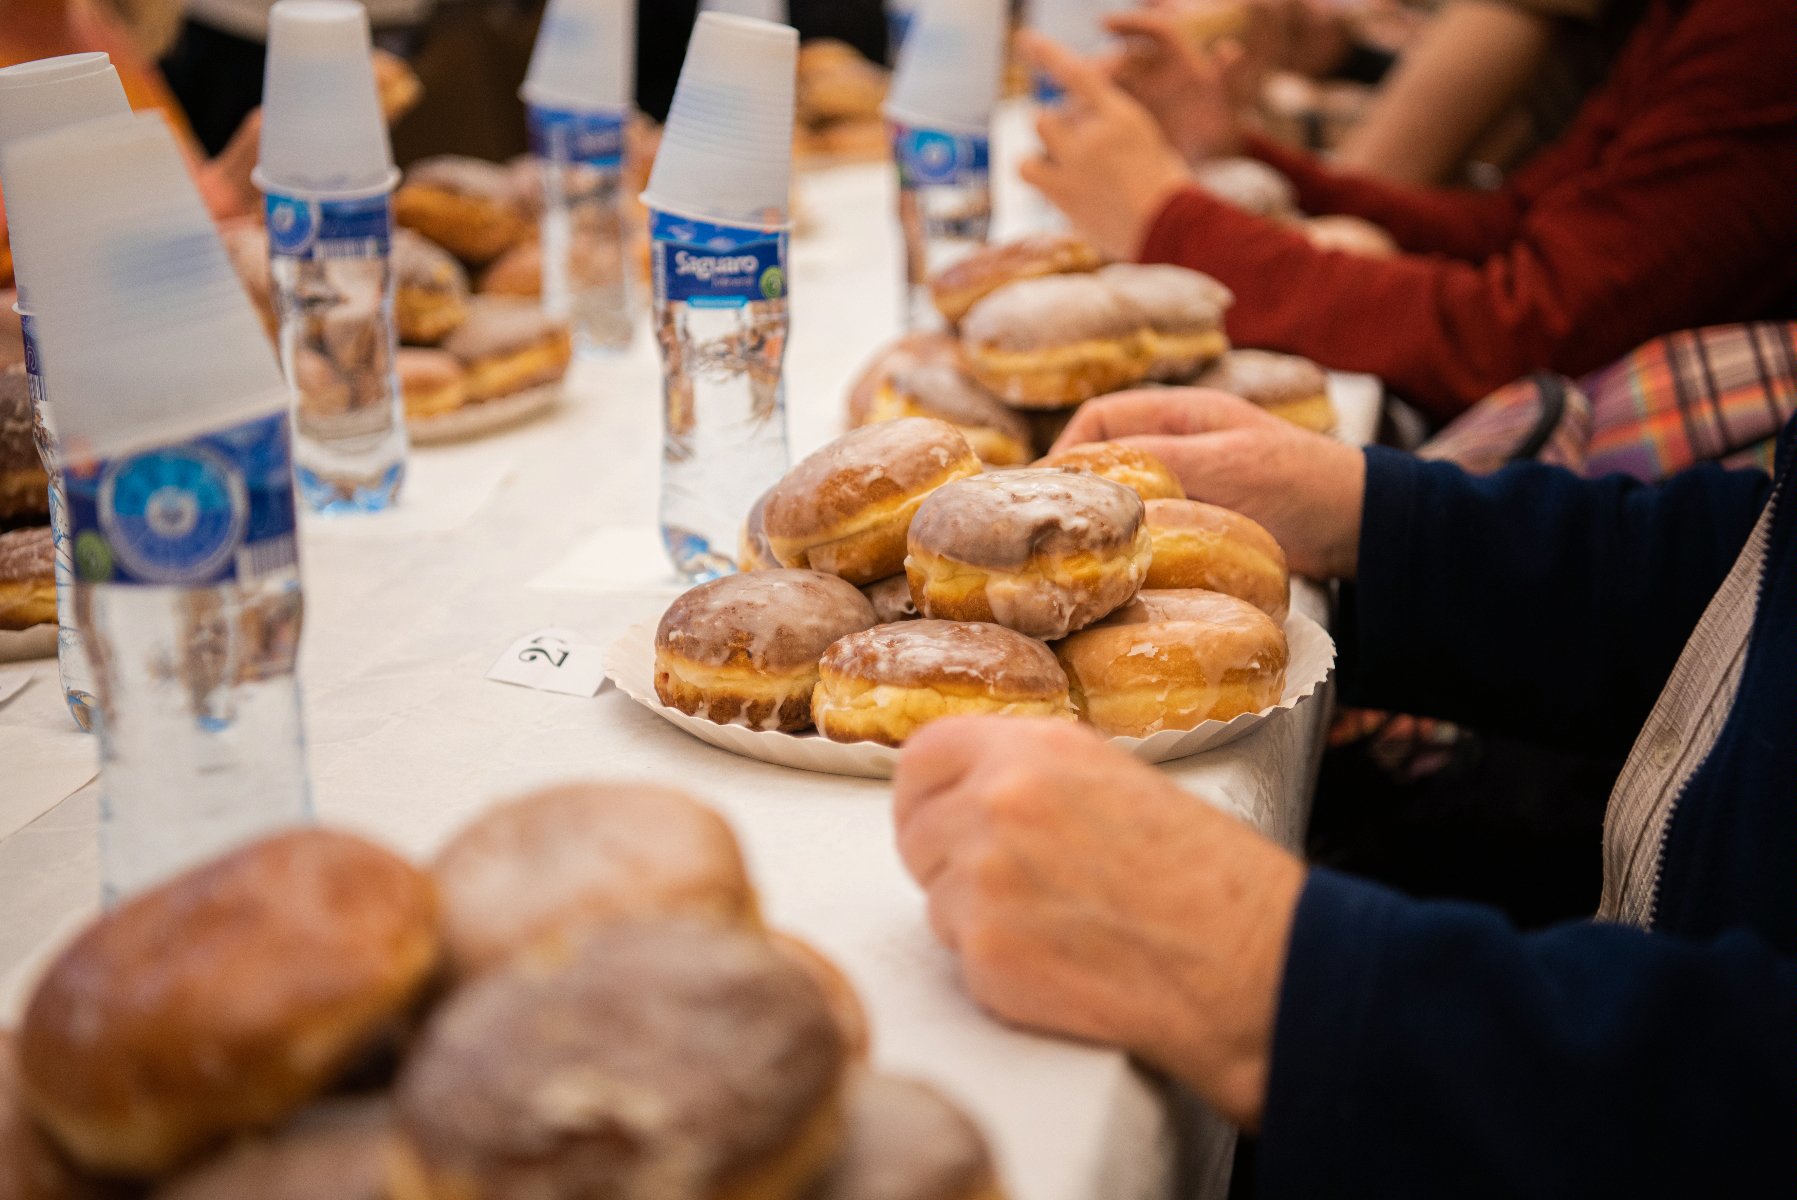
{"x":553,"y":524}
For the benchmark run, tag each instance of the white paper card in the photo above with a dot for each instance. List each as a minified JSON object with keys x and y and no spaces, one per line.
{"x":552,"y":660}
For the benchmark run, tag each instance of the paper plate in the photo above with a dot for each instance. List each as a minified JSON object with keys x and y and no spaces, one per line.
{"x":489,"y":416}
{"x":630,"y":662}
{"x":37,"y":642}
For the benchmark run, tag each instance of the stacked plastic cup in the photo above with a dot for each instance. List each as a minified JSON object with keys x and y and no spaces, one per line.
{"x":718,"y":212}
{"x":899,"y":16}
{"x":38,"y":97}
{"x":577,"y":93}
{"x":327,"y":173}
{"x":762,"y":10}
{"x":1075,"y":24}
{"x":944,"y":91}
{"x":174,"y":436}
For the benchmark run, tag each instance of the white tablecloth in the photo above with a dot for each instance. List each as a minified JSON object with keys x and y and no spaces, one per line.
{"x":552,"y":525}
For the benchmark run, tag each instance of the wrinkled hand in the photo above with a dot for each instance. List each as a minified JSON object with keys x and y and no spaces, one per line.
{"x":1088,"y":896}
{"x":1306,"y":488}
{"x":1104,"y":162}
{"x":1193,"y":92}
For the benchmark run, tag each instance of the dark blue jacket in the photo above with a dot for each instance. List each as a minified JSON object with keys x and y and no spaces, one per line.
{"x":1430,"y":1049}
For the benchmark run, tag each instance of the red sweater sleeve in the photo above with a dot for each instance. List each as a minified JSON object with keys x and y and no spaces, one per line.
{"x":1670,"y":207}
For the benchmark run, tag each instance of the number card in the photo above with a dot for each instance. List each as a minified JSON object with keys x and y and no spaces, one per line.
{"x":552,"y":660}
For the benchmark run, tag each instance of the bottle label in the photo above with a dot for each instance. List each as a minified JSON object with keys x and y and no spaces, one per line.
{"x":34,"y":363}
{"x":594,"y":139}
{"x":216,"y":509}
{"x":938,"y":158}
{"x":303,"y":228}
{"x":716,"y":266}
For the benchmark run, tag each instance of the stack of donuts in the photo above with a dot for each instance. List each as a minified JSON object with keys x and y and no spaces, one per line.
{"x":1039,"y":326}
{"x":839,"y":98}
{"x":577,"y":998}
{"x":27,"y":554}
{"x":888,"y":581}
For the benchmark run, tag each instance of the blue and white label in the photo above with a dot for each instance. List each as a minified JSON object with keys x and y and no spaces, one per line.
{"x":34,"y":361}
{"x":938,"y":158}
{"x":716,"y":266}
{"x":200,"y":513}
{"x":303,"y":228}
{"x":594,"y":139}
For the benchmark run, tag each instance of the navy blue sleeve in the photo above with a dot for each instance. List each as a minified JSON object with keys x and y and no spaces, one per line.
{"x":1432,"y":1050}
{"x":1533,"y":602}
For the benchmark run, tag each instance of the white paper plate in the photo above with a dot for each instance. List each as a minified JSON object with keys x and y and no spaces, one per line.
{"x":489,"y":416}
{"x":37,"y":642}
{"x":630,"y":662}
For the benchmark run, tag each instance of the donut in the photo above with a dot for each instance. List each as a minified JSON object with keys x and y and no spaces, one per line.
{"x":1284,"y":384}
{"x":224,"y":1000}
{"x":958,"y":288}
{"x":1041,"y":551}
{"x":1173,"y":661}
{"x":914,"y":349}
{"x":431,"y":381}
{"x":1185,"y":315}
{"x":845,"y":509}
{"x":1055,"y":342}
{"x":836,"y":84}
{"x":944,"y":391}
{"x":1351,"y":235}
{"x":1250,"y":185}
{"x":1199,"y":545}
{"x":752,"y":551}
{"x":27,"y":579}
{"x":649,"y":1058}
{"x":465,"y":205}
{"x":24,"y":484}
{"x":246,"y":245}
{"x":886,"y":683}
{"x":31,"y":1167}
{"x":338,"y":1151}
{"x":743,"y":649}
{"x":508,"y":346}
{"x":1137,"y":470}
{"x":907,"y":1141}
{"x":430,"y":289}
{"x":845,"y":1004}
{"x":891,"y":599}
{"x":854,"y":139}
{"x":564,"y":858}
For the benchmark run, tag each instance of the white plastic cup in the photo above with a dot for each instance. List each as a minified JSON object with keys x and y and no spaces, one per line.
{"x":585,"y":57}
{"x":1075,"y":24}
{"x":49,"y":93}
{"x":777,"y":11}
{"x":951,"y":71}
{"x":726,"y":153}
{"x":145,"y":332}
{"x":323,"y":134}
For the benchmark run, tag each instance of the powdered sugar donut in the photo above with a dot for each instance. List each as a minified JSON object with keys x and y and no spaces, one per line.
{"x":1055,"y":342}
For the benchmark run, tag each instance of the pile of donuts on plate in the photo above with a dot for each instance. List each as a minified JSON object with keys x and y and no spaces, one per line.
{"x":27,"y":554}
{"x":890,"y":581}
{"x":577,"y":998}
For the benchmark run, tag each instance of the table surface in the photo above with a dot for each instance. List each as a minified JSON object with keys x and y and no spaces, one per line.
{"x":552,"y":524}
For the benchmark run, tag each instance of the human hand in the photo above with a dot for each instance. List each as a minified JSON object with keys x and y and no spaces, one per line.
{"x":1088,"y":896}
{"x":1192,"y":91}
{"x":1305,"y":488}
{"x":1105,"y":164}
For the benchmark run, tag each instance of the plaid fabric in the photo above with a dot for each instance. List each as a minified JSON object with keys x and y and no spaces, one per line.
{"x":1541,"y":417}
{"x":1706,"y":395}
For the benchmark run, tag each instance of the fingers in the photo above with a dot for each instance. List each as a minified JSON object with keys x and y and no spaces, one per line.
{"x":1162,"y":411}
{"x":934,"y":759}
{"x":1084,"y":81}
{"x":1155,"y":26}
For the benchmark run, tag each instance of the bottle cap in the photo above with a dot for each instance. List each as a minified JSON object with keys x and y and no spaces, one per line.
{"x":585,"y":57}
{"x":323,"y":134}
{"x":146,"y":335}
{"x":36,"y":97}
{"x":726,"y":154}
{"x":951,"y":69}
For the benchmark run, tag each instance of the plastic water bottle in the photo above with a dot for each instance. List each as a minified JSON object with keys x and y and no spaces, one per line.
{"x":578,"y":95}
{"x":175,"y":443}
{"x":327,"y":172}
{"x":718,"y":202}
{"x":944,"y":91}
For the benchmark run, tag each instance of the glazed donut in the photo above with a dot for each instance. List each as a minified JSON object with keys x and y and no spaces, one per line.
{"x":854,"y":139}
{"x":1199,"y":545}
{"x":649,"y":1058}
{"x":509,"y":346}
{"x":891,"y":599}
{"x":836,"y":84}
{"x":1284,"y":384}
{"x":465,"y":205}
{"x":339,"y":1151}
{"x":1250,"y":185}
{"x":27,"y":579}
{"x":887,"y":683}
{"x":1351,"y":235}
{"x":944,"y":391}
{"x":31,"y":1167}
{"x":1174,"y":661}
{"x":430,"y":289}
{"x":907,"y":1141}
{"x":1185,"y":315}
{"x":914,"y":349}
{"x":845,"y":509}
{"x":431,"y":381}
{"x":752,"y":551}
{"x":1137,"y":470}
{"x":1044,"y":552}
{"x":846,"y":1008}
{"x":24,"y":484}
{"x":743,"y":649}
{"x":224,"y":1000}
{"x":1055,"y":342}
{"x":960,"y":287}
